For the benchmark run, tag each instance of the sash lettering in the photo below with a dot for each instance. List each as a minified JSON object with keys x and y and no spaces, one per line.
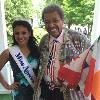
{"x":22,"y":63}
{"x":26,"y":71}
{"x":20,"y":58}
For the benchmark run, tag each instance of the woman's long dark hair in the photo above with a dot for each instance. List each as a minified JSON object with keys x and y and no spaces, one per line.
{"x":32,"y":43}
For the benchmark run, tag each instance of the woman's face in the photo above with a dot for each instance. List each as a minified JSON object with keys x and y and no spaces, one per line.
{"x":21,"y":35}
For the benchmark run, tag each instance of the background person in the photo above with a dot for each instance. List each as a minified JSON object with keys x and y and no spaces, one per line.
{"x":85,"y":31}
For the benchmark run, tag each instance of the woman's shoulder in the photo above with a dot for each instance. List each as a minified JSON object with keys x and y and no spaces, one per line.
{"x":5,"y":53}
{"x":4,"y":57}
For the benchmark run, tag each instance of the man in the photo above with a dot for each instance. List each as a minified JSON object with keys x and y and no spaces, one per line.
{"x":85,"y":31}
{"x":57,"y":47}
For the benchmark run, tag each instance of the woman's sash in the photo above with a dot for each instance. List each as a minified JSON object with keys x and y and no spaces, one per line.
{"x":22,"y":63}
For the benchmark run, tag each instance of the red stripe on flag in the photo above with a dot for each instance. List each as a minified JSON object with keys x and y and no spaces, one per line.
{"x":88,"y":82}
{"x":69,"y":76}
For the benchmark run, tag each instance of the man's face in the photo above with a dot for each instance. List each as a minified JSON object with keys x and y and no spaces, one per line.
{"x":53,"y":23}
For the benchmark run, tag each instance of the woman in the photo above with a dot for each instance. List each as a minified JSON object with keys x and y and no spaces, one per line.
{"x":23,"y":56}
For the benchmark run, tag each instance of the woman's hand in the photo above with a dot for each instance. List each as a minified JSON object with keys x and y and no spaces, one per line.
{"x":13,"y":86}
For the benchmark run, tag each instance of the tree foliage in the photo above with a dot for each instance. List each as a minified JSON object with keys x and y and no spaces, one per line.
{"x":78,"y":11}
{"x":59,"y":2}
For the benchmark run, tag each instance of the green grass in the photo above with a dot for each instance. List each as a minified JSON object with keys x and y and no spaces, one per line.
{"x":5,"y":97}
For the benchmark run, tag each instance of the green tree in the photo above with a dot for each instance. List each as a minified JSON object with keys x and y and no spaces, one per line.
{"x":17,"y":9}
{"x":59,"y":2}
{"x":78,"y":11}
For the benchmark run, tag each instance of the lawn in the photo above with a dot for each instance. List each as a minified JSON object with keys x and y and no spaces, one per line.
{"x":5,"y":97}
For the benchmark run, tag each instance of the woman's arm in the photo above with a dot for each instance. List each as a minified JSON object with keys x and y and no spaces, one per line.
{"x":4,"y":57}
{"x":6,"y":85}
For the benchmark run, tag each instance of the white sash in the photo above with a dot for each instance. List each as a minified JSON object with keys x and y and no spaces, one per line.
{"x":22,"y":63}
